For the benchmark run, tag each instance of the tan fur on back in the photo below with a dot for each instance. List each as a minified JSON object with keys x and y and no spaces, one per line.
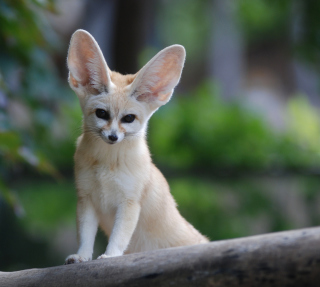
{"x":121,"y":81}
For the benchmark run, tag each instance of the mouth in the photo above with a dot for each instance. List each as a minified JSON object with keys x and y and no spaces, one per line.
{"x":107,"y":141}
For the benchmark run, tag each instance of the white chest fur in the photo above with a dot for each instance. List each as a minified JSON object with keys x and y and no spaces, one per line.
{"x":115,"y":174}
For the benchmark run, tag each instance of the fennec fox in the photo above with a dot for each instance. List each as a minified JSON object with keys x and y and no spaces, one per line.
{"x":119,"y":188}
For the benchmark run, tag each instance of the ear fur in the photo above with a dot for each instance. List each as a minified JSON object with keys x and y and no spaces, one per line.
{"x":88,"y":71}
{"x":155,"y":82}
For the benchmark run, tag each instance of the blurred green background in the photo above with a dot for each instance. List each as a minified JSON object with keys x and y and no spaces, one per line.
{"x":238,"y":143}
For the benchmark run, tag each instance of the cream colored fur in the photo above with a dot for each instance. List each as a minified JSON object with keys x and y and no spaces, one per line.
{"x":119,"y":188}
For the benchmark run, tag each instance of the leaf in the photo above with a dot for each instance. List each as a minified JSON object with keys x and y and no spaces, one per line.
{"x":12,"y":199}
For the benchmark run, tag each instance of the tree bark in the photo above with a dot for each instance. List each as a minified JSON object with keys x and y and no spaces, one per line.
{"x":290,"y":258}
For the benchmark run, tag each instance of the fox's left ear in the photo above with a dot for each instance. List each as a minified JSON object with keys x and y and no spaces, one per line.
{"x":155,"y":82}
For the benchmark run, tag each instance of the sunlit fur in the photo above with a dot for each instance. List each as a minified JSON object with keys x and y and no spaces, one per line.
{"x":119,"y":188}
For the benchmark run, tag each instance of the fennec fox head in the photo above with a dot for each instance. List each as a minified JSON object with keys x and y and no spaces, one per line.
{"x":117,"y":107}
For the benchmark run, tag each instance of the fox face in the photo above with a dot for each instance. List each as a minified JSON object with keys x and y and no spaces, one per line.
{"x":115,"y":116}
{"x":117,"y":107}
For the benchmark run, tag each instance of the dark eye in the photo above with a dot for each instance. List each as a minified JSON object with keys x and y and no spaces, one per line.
{"x":128,"y":118}
{"x":102,"y":114}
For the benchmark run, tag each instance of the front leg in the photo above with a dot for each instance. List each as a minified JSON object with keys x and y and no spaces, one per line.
{"x":126,"y":220}
{"x":87,"y":225}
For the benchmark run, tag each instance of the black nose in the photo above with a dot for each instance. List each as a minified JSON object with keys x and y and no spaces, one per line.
{"x":113,"y":138}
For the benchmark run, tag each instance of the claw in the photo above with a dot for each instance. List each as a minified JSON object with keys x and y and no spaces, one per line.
{"x":75,"y":258}
{"x":69,"y":261}
{"x":103,"y":256}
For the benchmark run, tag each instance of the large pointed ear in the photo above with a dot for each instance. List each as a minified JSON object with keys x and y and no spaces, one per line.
{"x":155,"y":82}
{"x":88,"y":71}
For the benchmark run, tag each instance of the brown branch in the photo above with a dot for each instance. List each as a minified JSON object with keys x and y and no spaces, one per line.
{"x":290,"y":258}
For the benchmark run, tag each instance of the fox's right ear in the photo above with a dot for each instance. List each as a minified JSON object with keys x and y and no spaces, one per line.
{"x":88,"y":71}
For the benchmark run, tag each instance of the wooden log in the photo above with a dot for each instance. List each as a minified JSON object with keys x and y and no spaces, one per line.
{"x":290,"y":258}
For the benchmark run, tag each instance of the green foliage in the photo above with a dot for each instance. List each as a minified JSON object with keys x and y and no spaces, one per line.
{"x":304,"y":124}
{"x":308,"y":35}
{"x":260,"y":21}
{"x":236,"y":207}
{"x":18,"y":249}
{"x":22,"y":27}
{"x":30,"y":90}
{"x":296,"y":21}
{"x":200,"y":130}
{"x":180,"y":24}
{"x":47,"y":206}
{"x":263,"y":19}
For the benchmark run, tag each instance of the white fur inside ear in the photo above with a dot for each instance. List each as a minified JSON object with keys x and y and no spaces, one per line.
{"x":157,"y":79}
{"x":95,"y":71}
{"x":88,"y":69}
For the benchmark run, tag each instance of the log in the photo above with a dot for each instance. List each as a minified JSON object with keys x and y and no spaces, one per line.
{"x":290,"y":258}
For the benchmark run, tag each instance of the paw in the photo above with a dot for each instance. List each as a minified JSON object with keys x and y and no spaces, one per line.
{"x":75,"y":258}
{"x":103,"y":256}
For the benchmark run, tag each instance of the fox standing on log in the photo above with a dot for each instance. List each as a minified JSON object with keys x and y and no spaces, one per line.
{"x":118,"y":186}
